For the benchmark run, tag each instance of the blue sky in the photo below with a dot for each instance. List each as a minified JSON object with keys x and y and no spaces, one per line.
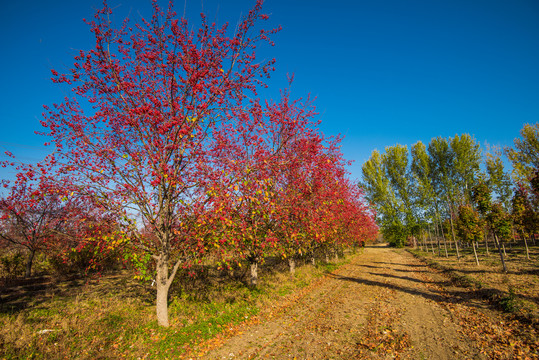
{"x":383,"y":71}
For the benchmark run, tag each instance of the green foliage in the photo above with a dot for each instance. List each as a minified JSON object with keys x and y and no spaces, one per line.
{"x":421,"y":172}
{"x":468,"y":225}
{"x":410,"y":194}
{"x":382,"y":195}
{"x":395,"y":162}
{"x":498,"y":179}
{"x":466,"y":161}
{"x":500,"y":221}
{"x":481,"y":197}
{"x":521,"y":210}
{"x":509,"y":303}
{"x":525,"y":156}
{"x":143,"y":264}
{"x":441,"y":160}
{"x":395,"y":233}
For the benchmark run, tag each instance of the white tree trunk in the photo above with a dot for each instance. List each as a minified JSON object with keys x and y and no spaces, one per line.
{"x":500,"y":251}
{"x":527,"y":251}
{"x":292,"y":266}
{"x":475,"y":252}
{"x":254,"y":273}
{"x":162,"y":285}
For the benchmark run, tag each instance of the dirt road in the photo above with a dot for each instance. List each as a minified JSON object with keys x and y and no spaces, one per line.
{"x":384,"y":304}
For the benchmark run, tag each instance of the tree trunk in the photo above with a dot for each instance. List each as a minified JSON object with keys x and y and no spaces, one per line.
{"x":254,"y":273}
{"x":336,"y":256}
{"x":486,"y":243}
{"x":526,"y":244}
{"x":327,"y":257}
{"x":292,"y":266}
{"x":503,"y":247}
{"x":29,"y":263}
{"x":431,"y":242}
{"x":162,"y":286}
{"x":475,"y":253}
{"x":313,"y":260}
{"x":454,"y":239}
{"x":438,"y":239}
{"x":500,"y":251}
{"x":443,"y":236}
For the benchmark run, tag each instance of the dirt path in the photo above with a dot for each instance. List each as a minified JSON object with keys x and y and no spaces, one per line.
{"x":384,"y":304}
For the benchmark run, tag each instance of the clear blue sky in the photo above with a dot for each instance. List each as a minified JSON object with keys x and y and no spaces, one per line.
{"x":383,"y":71}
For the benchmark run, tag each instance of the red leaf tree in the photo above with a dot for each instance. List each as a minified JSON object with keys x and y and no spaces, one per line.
{"x":257,"y":157}
{"x":34,"y":214}
{"x":160,"y":94}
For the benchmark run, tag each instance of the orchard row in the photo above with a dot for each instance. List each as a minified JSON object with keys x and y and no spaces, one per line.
{"x":165,"y":150}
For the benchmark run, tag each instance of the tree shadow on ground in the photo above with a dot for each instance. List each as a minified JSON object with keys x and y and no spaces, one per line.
{"x":450,"y":291}
{"x":407,"y":265}
{"x":500,"y":270}
{"x":407,"y":278}
{"x":430,"y":295}
{"x":382,"y":267}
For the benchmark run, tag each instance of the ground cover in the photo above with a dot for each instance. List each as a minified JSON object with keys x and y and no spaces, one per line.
{"x":383,"y":303}
{"x":516,"y":291}
{"x":113,"y":316}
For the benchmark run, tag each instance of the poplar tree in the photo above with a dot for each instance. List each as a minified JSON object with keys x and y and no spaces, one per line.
{"x":380,"y":193}
{"x":498,"y":178}
{"x":441,"y":162}
{"x":395,"y":163}
{"x":424,"y":193}
{"x":525,"y":155}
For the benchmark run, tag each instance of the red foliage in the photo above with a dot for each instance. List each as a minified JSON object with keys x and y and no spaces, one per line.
{"x":160,"y":133}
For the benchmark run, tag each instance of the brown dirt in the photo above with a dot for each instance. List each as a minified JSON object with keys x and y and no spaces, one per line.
{"x":384,"y":304}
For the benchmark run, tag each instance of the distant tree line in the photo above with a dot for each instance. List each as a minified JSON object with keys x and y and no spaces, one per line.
{"x":456,"y":193}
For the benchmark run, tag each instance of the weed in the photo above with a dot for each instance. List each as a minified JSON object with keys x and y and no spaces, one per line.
{"x":328,"y":267}
{"x":509,"y":302}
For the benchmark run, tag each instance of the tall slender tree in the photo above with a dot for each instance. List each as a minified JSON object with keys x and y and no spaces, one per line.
{"x":498,"y":178}
{"x":380,"y":193}
{"x":525,"y":154}
{"x":395,"y":163}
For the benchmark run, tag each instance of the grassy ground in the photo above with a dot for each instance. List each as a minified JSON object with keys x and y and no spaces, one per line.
{"x":114,"y":316}
{"x":516,"y":291}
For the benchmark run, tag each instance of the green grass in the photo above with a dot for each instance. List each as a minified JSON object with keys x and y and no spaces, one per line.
{"x":327,"y":267}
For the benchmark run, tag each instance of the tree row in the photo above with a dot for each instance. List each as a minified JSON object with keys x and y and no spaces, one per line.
{"x":166,"y":152}
{"x":452,"y":191}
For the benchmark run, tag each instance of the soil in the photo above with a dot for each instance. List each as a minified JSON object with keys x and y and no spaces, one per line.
{"x":383,"y":304}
